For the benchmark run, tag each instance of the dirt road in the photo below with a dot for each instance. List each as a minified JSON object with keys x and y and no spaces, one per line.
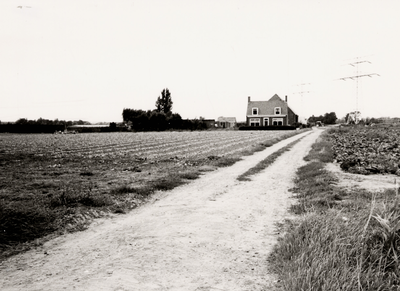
{"x":212,"y":234}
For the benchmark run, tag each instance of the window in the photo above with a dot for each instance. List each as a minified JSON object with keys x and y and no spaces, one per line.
{"x":277,"y":121}
{"x":266,"y":121}
{"x":277,"y":111}
{"x":255,"y":111}
{"x":254,"y":122}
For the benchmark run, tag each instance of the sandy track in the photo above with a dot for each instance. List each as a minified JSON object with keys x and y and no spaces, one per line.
{"x":212,"y":234}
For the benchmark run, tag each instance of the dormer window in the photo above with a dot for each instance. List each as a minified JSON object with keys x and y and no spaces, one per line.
{"x":278,"y":110}
{"x":255,"y":111}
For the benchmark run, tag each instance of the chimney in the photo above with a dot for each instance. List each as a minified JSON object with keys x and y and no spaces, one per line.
{"x":248,"y":99}
{"x":286,"y":98}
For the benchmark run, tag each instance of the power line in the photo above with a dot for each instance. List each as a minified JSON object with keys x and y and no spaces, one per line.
{"x":356,"y":77}
{"x":359,"y":76}
{"x":301,"y":92}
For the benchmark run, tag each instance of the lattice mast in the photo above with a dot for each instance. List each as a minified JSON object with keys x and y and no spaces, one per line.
{"x":356,"y":77}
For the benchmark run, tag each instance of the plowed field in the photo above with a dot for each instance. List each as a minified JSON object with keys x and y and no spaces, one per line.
{"x":51,"y":183}
{"x":149,"y":144}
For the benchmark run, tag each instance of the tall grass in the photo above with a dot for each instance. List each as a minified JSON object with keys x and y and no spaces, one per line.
{"x":342,"y":239}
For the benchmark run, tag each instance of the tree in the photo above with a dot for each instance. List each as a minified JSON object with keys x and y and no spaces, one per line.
{"x":22,"y":121}
{"x":138,"y":118}
{"x":157,"y":121}
{"x":175,"y":121}
{"x":311,"y":119}
{"x":164,"y":103}
{"x":330,"y":118}
{"x":131,"y":114}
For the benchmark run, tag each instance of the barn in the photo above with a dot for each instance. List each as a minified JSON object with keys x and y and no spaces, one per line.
{"x":226,"y":122}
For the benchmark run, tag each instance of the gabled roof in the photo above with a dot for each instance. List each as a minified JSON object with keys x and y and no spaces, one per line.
{"x":267,"y":107}
{"x":227,"y":119}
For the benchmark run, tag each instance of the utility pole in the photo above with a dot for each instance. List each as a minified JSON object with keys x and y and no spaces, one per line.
{"x":356,"y":77}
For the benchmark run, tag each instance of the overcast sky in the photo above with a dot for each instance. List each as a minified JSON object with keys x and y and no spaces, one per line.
{"x":89,"y":59}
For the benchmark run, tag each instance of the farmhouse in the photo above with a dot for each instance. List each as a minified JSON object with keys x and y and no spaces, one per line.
{"x":274,"y":112}
{"x":226,"y":122}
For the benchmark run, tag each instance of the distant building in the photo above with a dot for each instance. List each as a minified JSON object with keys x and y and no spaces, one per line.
{"x":89,"y":128}
{"x":274,"y":112}
{"x":226,"y":122}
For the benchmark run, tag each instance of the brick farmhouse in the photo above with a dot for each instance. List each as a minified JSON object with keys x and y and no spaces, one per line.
{"x":274,"y":112}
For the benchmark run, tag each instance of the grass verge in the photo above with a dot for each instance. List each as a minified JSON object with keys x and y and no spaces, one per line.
{"x":343,"y":239}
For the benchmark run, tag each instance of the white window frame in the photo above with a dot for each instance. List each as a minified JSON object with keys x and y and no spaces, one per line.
{"x":278,"y":109}
{"x":254,"y":121}
{"x":277,"y":120}
{"x":266,"y":121}
{"x":252,"y":111}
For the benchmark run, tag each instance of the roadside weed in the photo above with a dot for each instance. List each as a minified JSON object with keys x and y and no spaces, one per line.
{"x":344,"y":239}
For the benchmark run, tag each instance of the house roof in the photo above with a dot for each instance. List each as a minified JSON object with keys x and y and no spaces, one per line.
{"x":227,"y":119}
{"x":267,"y":107}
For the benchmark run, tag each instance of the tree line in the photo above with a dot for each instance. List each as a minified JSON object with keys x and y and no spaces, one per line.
{"x":327,"y":118}
{"x":161,"y":118}
{"x":40,"y":125}
{"x":41,"y":121}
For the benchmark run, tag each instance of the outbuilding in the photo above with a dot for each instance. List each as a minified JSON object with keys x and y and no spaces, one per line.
{"x":226,"y":122}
